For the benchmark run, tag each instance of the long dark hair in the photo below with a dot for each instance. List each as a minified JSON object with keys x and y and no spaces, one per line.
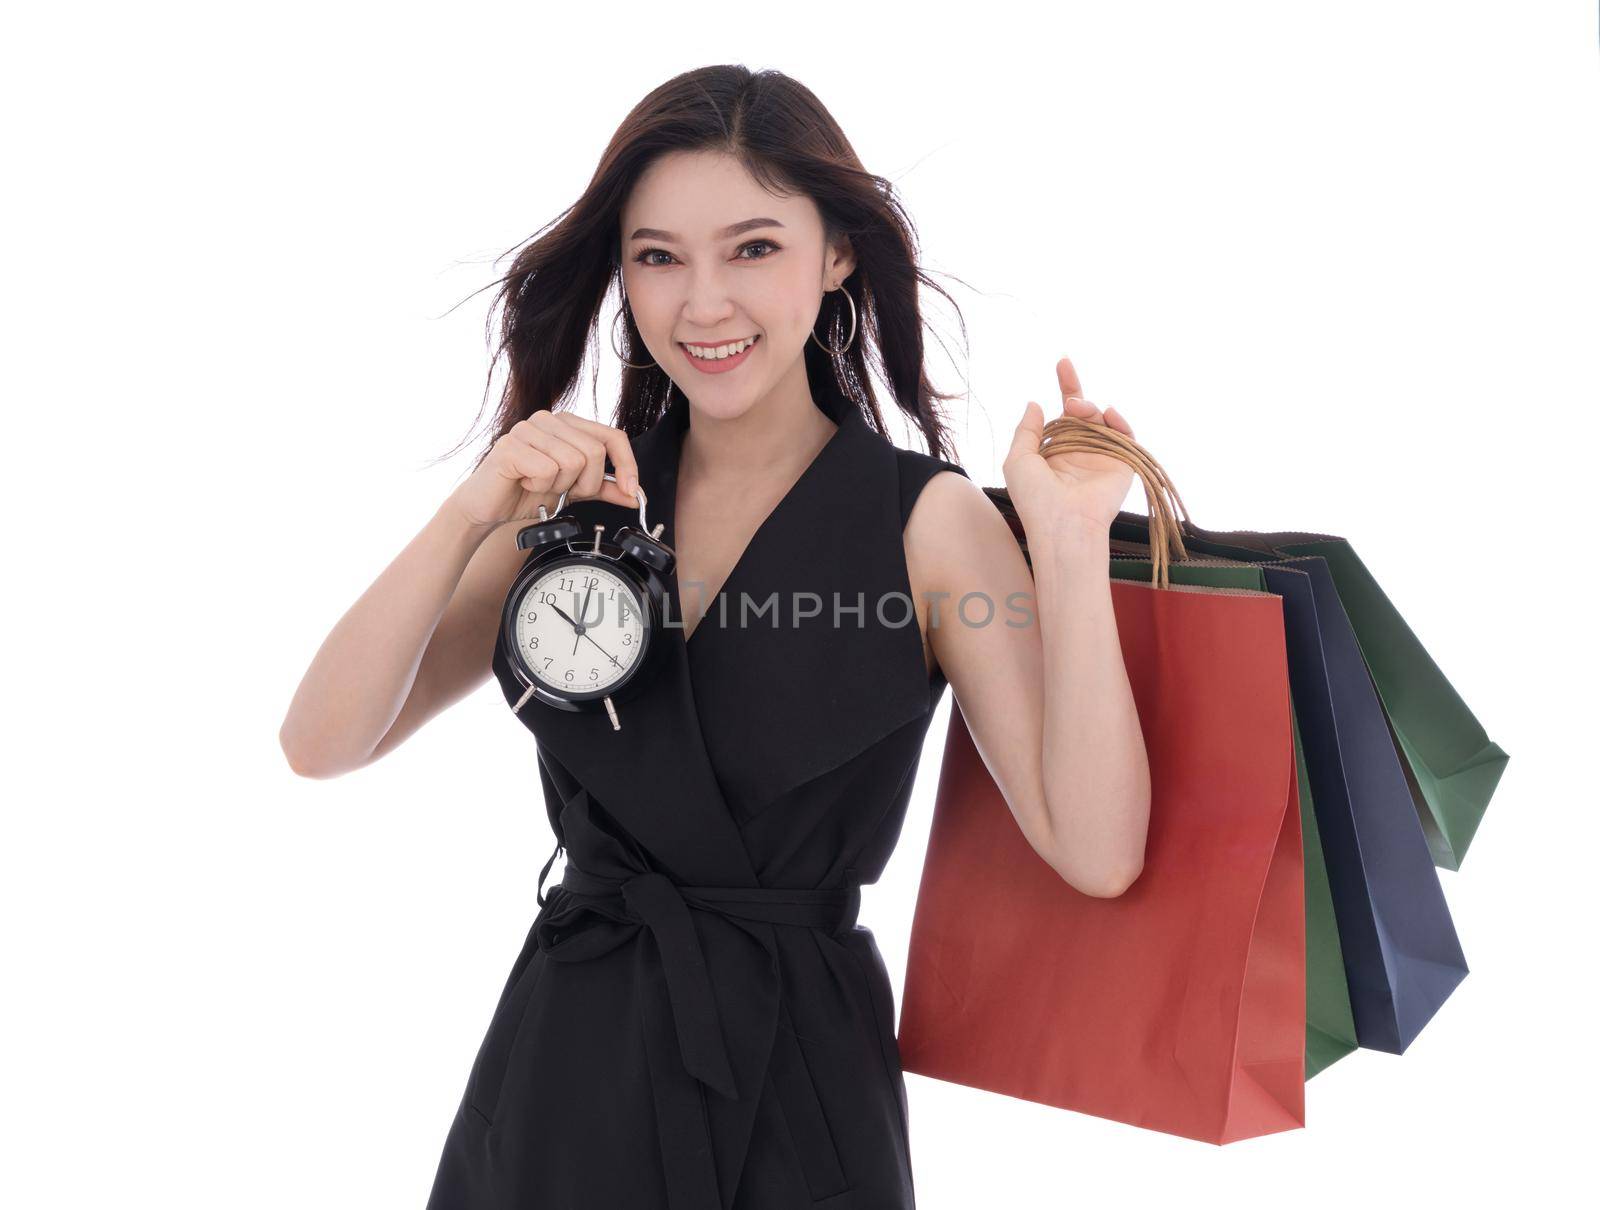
{"x":549,"y":302}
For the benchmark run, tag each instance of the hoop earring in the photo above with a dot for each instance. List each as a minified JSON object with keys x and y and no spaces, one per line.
{"x":647,"y":365}
{"x":829,"y":348}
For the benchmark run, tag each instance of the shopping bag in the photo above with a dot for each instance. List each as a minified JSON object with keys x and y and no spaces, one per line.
{"x":1451,"y":765}
{"x":1180,"y":1005}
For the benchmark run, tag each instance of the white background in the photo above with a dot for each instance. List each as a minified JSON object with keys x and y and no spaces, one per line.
{"x":1336,"y":263}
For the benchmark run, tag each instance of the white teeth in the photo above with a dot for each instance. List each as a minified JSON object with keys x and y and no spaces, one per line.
{"x":721,"y":351}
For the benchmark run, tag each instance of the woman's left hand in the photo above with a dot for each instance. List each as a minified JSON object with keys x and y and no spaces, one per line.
{"x":1084,"y":487}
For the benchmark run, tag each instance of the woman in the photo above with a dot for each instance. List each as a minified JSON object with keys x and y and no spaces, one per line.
{"x":696,"y":1021}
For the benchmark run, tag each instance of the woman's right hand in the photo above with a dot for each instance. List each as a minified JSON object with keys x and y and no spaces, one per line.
{"x":538,"y":459}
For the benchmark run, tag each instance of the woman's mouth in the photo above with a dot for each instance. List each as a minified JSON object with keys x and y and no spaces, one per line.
{"x":719,"y":359}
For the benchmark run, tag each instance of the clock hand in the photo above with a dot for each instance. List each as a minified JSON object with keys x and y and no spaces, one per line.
{"x":576,"y":629}
{"x":583,"y":612}
{"x":603,"y":651}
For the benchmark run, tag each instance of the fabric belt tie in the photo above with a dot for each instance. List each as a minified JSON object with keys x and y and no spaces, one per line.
{"x":688,"y":1009}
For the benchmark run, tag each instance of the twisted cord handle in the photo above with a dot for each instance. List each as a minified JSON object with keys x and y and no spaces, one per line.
{"x":1071,"y":435}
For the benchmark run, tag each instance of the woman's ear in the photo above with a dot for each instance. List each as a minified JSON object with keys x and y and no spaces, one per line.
{"x":841,"y":261}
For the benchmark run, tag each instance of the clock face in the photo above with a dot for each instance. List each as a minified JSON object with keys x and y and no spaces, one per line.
{"x":580,"y":627}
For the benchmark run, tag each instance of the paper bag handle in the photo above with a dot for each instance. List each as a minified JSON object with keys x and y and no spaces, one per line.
{"x":1071,"y":435}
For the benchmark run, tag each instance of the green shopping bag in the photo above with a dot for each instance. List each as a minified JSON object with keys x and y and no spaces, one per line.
{"x":1330,"y":1026}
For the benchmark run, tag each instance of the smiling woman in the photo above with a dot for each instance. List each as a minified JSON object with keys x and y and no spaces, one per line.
{"x":713,"y":866}
{"x":697,"y":1021}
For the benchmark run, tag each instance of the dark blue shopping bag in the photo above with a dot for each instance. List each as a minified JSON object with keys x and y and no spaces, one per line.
{"x":1401,"y":954}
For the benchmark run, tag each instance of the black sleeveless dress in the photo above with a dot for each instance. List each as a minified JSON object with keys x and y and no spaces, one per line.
{"x":696,"y":1021}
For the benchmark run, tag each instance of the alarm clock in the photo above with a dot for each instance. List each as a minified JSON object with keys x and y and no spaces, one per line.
{"x":583,"y":624}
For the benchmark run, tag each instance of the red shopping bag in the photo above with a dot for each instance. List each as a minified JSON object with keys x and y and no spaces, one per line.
{"x":1180,"y":1005}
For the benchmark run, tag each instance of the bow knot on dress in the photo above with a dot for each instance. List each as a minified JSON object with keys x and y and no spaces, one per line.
{"x":589,"y":916}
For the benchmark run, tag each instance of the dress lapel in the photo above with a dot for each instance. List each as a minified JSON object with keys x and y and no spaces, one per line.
{"x":780,"y":700}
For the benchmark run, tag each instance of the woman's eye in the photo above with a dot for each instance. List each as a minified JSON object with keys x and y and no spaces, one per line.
{"x":644,"y":254}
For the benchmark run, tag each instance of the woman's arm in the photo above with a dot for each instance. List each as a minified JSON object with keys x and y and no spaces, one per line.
{"x":422,"y":636}
{"x":1042,"y":685}
{"x":415,"y":642}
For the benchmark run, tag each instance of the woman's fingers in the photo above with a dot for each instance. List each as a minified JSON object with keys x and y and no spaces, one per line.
{"x":545,"y":432}
{"x":1072,"y":401}
{"x":1073,"y":405}
{"x":590,"y":481}
{"x":578,"y":447}
{"x":537,"y":470}
{"x":1067,"y":377}
{"x":1028,"y":434}
{"x":603,"y":440}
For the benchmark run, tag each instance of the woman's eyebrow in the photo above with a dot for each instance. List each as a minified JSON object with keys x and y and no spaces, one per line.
{"x":748,"y":224}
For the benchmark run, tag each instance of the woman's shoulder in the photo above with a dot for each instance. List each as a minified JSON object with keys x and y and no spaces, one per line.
{"x":916,"y":470}
{"x":950,"y":522}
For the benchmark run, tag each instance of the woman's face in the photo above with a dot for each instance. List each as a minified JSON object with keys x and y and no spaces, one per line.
{"x":709,"y":258}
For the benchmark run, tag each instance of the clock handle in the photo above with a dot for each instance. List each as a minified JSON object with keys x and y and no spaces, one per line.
{"x":637,"y":491}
